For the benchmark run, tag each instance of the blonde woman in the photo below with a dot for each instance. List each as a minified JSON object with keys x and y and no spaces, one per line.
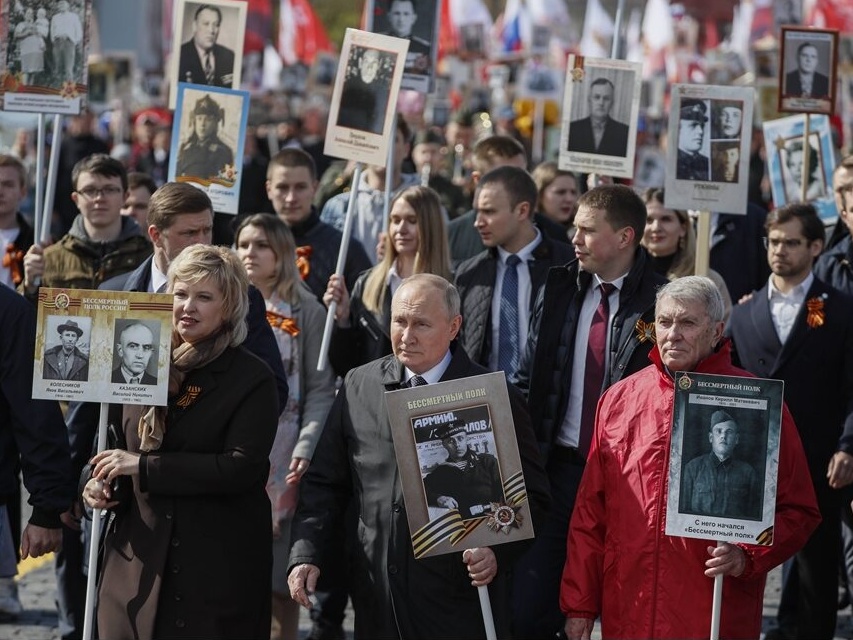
{"x":415,"y":242}
{"x":267,"y":249}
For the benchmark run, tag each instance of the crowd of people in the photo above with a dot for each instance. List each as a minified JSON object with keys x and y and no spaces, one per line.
{"x":266,"y":483}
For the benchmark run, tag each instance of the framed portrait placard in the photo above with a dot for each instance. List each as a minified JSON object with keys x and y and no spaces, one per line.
{"x":601,"y":105}
{"x":208,"y":134}
{"x":207,"y":44}
{"x":365,"y":97}
{"x":708,"y":149}
{"x":786,"y":154}
{"x":418,"y":23}
{"x":44,"y":49}
{"x":103,"y":346}
{"x":807,"y":69}
{"x":724,"y":458}
{"x":441,"y":429}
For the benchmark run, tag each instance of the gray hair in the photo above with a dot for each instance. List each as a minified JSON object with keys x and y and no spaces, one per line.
{"x":452,"y":303}
{"x":694,"y":289}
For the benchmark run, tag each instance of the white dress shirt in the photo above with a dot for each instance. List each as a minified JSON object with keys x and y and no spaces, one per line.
{"x":785,"y":307}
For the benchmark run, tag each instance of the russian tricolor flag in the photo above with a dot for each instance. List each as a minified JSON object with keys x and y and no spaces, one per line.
{"x":515,"y":23}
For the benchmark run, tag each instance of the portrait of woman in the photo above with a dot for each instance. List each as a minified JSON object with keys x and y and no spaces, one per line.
{"x":415,"y":242}
{"x":31,"y":34}
{"x":266,"y":247}
{"x":189,"y":552}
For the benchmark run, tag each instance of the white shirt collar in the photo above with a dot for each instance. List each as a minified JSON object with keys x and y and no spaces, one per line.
{"x":525,"y":252}
{"x":798,"y":293}
{"x":433,"y":375}
{"x":158,"y":278}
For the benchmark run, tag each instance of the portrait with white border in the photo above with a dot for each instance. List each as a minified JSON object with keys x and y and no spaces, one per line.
{"x":807,"y":70}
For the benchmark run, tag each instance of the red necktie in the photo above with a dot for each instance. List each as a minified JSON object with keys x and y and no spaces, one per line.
{"x":593,"y":376}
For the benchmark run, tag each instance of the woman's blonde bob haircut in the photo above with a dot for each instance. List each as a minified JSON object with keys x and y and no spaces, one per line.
{"x":222,"y":267}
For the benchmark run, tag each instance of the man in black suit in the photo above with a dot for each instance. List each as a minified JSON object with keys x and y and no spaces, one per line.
{"x":364,"y":97}
{"x":203,"y":61}
{"x":798,"y":329}
{"x":134,"y":347}
{"x":806,"y":81}
{"x":598,"y":132}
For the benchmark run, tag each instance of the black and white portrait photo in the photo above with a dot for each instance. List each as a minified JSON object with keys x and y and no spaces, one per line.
{"x":66,"y":354}
{"x":794,"y":155}
{"x":203,"y":153}
{"x":723,"y":464}
{"x":208,"y":43}
{"x":600,"y":115}
{"x":135,"y":343}
{"x":365,"y":93}
{"x":472,"y":39}
{"x":413,"y":20}
{"x":726,"y":119}
{"x":807,"y":75}
{"x":693,"y":162}
{"x":725,"y":161}
{"x":468,"y":477}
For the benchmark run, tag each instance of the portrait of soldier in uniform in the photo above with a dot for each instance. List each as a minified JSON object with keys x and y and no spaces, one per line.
{"x":203,"y":60}
{"x":65,"y":361}
{"x":134,"y":347}
{"x":715,"y":483}
{"x":204,"y":155}
{"x":466,"y":480}
{"x":692,"y":164}
{"x":402,"y":17}
{"x":725,"y":161}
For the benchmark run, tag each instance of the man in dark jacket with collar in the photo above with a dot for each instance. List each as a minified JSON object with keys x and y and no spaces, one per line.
{"x":499,"y":286}
{"x":15,"y":232}
{"x":399,"y":596}
{"x":598,"y":329}
{"x":835,"y":265}
{"x":797,"y":329}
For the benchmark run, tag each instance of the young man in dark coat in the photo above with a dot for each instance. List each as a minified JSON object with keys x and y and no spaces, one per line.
{"x":797,"y":329}
{"x":397,"y":595}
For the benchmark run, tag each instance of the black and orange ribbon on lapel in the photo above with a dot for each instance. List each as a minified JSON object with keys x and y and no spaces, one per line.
{"x":278,"y":321}
{"x":303,"y":260}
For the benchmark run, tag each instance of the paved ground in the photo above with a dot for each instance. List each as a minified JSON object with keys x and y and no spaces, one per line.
{"x":37,"y":586}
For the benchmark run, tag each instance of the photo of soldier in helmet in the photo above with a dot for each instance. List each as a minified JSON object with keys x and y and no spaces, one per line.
{"x":203,"y":154}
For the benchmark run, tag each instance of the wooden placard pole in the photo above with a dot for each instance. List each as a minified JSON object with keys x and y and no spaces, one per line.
{"x":703,"y":244}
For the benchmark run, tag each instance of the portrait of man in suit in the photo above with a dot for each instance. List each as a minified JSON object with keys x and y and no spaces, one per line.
{"x":806,"y":81}
{"x":134,"y":347}
{"x":598,"y":132}
{"x":203,"y":60}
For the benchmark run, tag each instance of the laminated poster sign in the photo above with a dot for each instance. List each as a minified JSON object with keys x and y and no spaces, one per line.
{"x":365,"y":97}
{"x":724,"y":458}
{"x":103,"y":346}
{"x":459,"y":465}
{"x":709,"y":147}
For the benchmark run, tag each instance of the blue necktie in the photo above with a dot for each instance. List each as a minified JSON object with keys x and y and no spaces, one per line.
{"x":508,"y":340}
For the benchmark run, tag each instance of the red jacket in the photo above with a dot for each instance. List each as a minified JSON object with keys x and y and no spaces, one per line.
{"x":620,"y":563}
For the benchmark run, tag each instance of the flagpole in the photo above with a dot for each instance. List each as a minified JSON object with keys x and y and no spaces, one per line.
{"x":617,"y":30}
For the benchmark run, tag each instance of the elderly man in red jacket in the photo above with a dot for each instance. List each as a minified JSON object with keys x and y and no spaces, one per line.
{"x":621,"y":565}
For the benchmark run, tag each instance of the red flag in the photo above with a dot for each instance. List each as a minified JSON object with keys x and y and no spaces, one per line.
{"x":301,"y":35}
{"x":832,"y":14}
{"x":258,"y":25}
{"x":447,"y":36}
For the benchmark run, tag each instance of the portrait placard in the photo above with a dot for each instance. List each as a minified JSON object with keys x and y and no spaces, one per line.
{"x":538,"y":80}
{"x":44,"y":49}
{"x":418,"y":23}
{"x":786,"y":158}
{"x":208,"y":134}
{"x":807,"y":70}
{"x":601,"y":104}
{"x":708,"y":150}
{"x":451,"y":506}
{"x":207,"y":44}
{"x":365,"y":97}
{"x":724,"y":457}
{"x":103,"y":346}
{"x":472,"y":40}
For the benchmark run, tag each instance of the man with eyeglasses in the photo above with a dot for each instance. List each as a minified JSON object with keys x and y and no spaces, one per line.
{"x":134,"y":348}
{"x":797,"y":329}
{"x":101,"y":242}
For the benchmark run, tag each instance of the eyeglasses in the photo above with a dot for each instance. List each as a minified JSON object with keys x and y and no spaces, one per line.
{"x":788,"y":243}
{"x":90,"y":193}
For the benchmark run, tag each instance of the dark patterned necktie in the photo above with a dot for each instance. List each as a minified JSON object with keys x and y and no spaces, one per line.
{"x":134,"y":380}
{"x":208,"y":68}
{"x":593,"y":375}
{"x":509,"y":335}
{"x":416,"y":381}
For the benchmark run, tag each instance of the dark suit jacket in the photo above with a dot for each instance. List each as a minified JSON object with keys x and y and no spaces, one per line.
{"x":475,"y":280}
{"x":816,"y":363}
{"x":820,"y":85}
{"x":118,"y":378}
{"x":737,"y":253}
{"x":191,"y":68}
{"x":355,"y":461}
{"x":614,"y":142}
